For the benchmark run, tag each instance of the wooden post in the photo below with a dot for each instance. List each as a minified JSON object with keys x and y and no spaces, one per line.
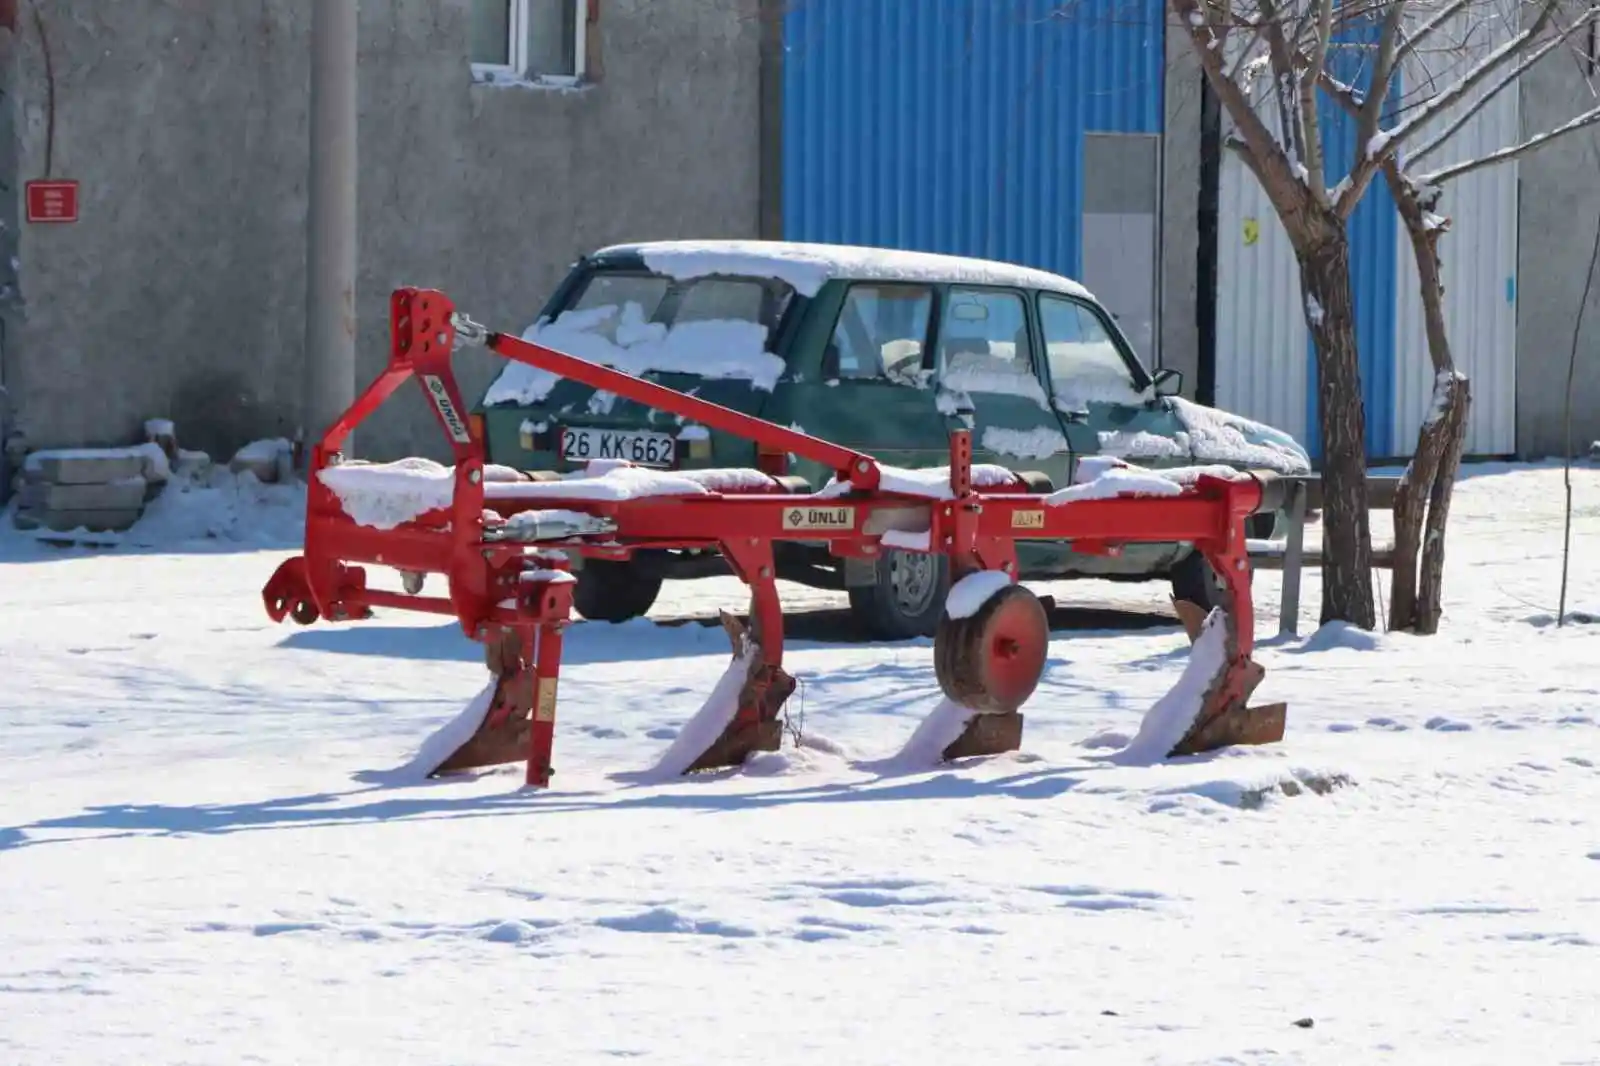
{"x":1293,"y":557}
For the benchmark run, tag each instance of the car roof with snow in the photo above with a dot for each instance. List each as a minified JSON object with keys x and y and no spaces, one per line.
{"x":807,"y":267}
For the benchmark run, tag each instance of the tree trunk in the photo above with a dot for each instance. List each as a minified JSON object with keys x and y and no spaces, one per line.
{"x":1429,"y":482}
{"x":1430,"y":592}
{"x":1346,"y":532}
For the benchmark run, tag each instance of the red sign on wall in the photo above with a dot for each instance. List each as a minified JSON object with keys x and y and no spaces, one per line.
{"x":52,"y":201}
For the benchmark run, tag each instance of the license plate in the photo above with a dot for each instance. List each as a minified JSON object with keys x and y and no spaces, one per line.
{"x":646,"y":449}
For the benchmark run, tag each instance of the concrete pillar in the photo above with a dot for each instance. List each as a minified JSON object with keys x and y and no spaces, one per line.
{"x":330,"y":380}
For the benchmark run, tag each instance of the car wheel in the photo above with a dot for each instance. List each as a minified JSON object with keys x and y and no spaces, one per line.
{"x":907,"y":598}
{"x":1193,"y":580}
{"x":613,"y":592}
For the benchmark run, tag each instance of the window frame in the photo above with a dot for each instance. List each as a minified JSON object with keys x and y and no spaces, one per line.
{"x":930,"y":330}
{"x":1142,"y":378}
{"x":515,"y":69}
{"x":1030,"y":315}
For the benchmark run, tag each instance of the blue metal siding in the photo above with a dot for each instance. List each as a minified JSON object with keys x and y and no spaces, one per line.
{"x":1374,"y":229}
{"x":957,"y":125}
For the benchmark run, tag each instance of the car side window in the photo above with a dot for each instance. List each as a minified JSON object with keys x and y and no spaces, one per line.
{"x":881,"y":332}
{"x":984,"y":345}
{"x":1085,"y":363}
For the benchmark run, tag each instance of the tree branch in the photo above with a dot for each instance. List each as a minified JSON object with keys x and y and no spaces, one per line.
{"x":1507,"y":79}
{"x":1385,"y":143}
{"x":1263,"y":155}
{"x":1309,"y":123}
{"x":1392,"y":140}
{"x":1515,"y":151}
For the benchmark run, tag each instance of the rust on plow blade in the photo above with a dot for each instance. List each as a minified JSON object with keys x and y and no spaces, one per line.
{"x":1225,"y":719}
{"x":504,"y":733}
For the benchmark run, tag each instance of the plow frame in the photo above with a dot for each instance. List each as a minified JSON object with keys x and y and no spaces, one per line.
{"x":515,"y":596}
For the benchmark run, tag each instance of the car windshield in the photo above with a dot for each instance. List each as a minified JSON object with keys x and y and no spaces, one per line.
{"x":639,"y":322}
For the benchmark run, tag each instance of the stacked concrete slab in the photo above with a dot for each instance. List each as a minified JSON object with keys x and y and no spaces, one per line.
{"x":98,"y":489}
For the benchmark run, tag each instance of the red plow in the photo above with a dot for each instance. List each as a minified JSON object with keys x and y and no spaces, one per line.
{"x":502,"y":540}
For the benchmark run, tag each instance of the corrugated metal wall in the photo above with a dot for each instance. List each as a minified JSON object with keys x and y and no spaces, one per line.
{"x":1265,"y":365}
{"x":957,"y":125}
{"x":1479,"y":261}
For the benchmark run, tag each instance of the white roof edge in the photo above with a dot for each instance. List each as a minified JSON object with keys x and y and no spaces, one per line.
{"x":807,"y":266}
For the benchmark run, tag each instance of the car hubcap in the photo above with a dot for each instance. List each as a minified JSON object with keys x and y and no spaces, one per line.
{"x":914,"y":578}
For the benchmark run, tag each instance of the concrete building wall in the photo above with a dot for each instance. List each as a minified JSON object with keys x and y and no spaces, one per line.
{"x":1559,"y":213}
{"x":1180,"y":209}
{"x":181,"y":291}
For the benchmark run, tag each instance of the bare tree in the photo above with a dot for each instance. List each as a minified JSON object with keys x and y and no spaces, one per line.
{"x":1483,"y":45}
{"x":1272,"y":66}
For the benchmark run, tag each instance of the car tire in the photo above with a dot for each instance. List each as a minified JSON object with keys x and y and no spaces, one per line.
{"x":906,"y":599}
{"x":610,"y":591}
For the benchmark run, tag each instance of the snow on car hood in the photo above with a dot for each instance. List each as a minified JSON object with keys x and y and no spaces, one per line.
{"x":1221,"y":437}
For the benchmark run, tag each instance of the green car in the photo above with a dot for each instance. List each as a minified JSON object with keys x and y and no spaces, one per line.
{"x":879,"y":350}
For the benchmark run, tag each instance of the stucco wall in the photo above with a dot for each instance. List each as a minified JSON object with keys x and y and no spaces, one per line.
{"x":181,"y":292}
{"x":1560,"y":209}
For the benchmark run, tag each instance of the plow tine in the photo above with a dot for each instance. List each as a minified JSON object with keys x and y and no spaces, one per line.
{"x":1224,"y":717}
{"x":503,"y":733}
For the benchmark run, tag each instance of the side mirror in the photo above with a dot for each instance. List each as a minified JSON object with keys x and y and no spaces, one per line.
{"x":830,"y":362}
{"x":1167,"y":381}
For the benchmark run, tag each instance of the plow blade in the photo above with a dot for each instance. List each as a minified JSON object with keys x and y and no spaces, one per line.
{"x":500,"y":729}
{"x":1224,"y":717}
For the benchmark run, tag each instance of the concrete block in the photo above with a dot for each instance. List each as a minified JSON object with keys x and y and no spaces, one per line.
{"x":65,"y":521}
{"x":63,"y":469}
{"x":266,"y":459}
{"x":106,"y":496}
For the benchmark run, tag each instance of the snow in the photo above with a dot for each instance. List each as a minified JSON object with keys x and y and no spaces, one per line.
{"x":1139,"y":444}
{"x":439,"y":745}
{"x":1114,"y":482}
{"x":910,"y":540}
{"x":216,"y":862}
{"x":1378,"y":142}
{"x":1313,"y":310}
{"x":156,"y":466}
{"x":622,"y":338}
{"x":709,"y":722}
{"x":1105,"y":477}
{"x":1169,"y":720}
{"x":1039,"y":442}
{"x":967,"y":373}
{"x":1220,"y":437}
{"x":930,"y":482}
{"x":967,"y":596}
{"x":265,"y":450}
{"x":807,"y":267}
{"x":385,"y":495}
{"x":924,"y":749}
{"x":1442,"y":381}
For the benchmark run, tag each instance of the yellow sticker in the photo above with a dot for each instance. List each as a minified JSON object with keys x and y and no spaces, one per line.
{"x":1027,"y":519}
{"x":545,"y":706}
{"x":829,"y":518}
{"x":1252,"y":231}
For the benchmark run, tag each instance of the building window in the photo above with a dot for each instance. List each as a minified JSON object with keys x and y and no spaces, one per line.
{"x":528,"y":40}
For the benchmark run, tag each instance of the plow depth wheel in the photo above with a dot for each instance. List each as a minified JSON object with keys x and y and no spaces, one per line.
{"x":991,"y":661}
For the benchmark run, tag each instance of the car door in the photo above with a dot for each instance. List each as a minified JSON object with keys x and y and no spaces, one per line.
{"x":864,"y":381}
{"x":989,"y":376}
{"x":1102,"y":392}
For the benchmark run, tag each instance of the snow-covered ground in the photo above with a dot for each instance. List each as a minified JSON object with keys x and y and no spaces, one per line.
{"x":205,"y":856}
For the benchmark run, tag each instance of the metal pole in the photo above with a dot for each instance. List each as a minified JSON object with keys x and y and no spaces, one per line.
{"x":330,"y":381}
